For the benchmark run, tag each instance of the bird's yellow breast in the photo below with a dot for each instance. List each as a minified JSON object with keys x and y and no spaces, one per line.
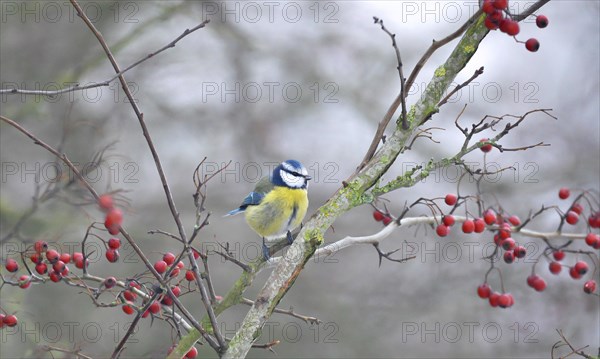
{"x":282,"y":210}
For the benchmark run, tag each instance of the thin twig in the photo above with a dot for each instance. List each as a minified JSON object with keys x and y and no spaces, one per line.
{"x":457,"y":88}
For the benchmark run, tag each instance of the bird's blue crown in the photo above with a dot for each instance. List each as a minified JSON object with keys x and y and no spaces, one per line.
{"x":290,"y":173}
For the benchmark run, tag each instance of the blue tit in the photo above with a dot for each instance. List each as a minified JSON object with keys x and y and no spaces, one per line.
{"x":278,"y":203}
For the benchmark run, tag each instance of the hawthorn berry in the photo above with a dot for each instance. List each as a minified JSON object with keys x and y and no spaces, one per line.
{"x":577,"y":208}
{"x":112,"y":255}
{"x":129,"y":295}
{"x":52,"y":256}
{"x":442,"y":230}
{"x":59,"y":266}
{"x":77,"y":256}
{"x":594,"y":220}
{"x":500,"y":4}
{"x":113,"y":221}
{"x":489,"y":217}
{"x":504,"y":300}
{"x":174,"y":272}
{"x":35,"y":258}
{"x":105,"y":202}
{"x":487,"y":147}
{"x":590,"y":286}
{"x":508,"y":244}
{"x":531,"y":279}
{"x":128,"y":309}
{"x":154,"y":307}
{"x":55,"y":277}
{"x":190,"y":275}
{"x":196,"y":254}
{"x":509,"y":27}
{"x":514,"y":220}
{"x":490,"y":23}
{"x":10,"y":320}
{"x":564,"y":193}
{"x":592,"y":239}
{"x":160,"y":266}
{"x":11,"y":265}
{"x":176,"y":290}
{"x":24,"y":281}
{"x":114,"y":243}
{"x":65,"y":257}
{"x":192,"y":353}
{"x":555,"y":267}
{"x":541,"y":21}
{"x":539,"y":284}
{"x":581,"y":267}
{"x":558,"y":255}
{"x":41,"y":268}
{"x":378,"y":216}
{"x":110,"y":282}
{"x":479,"y":225}
{"x":574,"y":274}
{"x":487,"y":7}
{"x":520,"y":252}
{"x":40,"y":246}
{"x":484,"y":291}
{"x":509,"y":257}
{"x":169,"y":258}
{"x":493,"y":299}
{"x":450,"y":199}
{"x":572,"y":217}
{"x":532,"y":45}
{"x":468,"y":226}
{"x":387,"y":220}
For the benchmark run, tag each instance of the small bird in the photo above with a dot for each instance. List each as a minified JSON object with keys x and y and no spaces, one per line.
{"x":278,"y":203}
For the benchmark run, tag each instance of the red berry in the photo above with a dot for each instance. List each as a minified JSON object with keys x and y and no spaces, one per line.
{"x":36,"y":258}
{"x":40,"y":246}
{"x":110,"y":282}
{"x":196,"y":254}
{"x":508,"y":244}
{"x":450,"y":199}
{"x":65,"y":257}
{"x":490,"y":23}
{"x":511,"y":27}
{"x":532,"y":45}
{"x":574,"y":274}
{"x":539,"y":284}
{"x":114,"y":243}
{"x":41,"y":268}
{"x":180,"y":265}
{"x":594,"y":220}
{"x":581,"y":267}
{"x":55,"y":277}
{"x":167,"y":300}
{"x":154,"y":307}
{"x":387,"y":220}
{"x":572,"y":217}
{"x":378,"y":216}
{"x":59,"y":266}
{"x":514,"y":220}
{"x":493,"y":299}
{"x":176,"y":290}
{"x":65,"y":272}
{"x":509,"y":257}
{"x":10,"y":320}
{"x":169,"y":258}
{"x":504,"y":232}
{"x":11,"y":265}
{"x":24,"y":281}
{"x":105,"y":202}
{"x":487,"y":147}
{"x":448,"y":220}
{"x":113,"y":221}
{"x":174,"y":272}
{"x":554,"y":267}
{"x":500,"y":4}
{"x":190,"y":275}
{"x":484,"y":291}
{"x":52,"y":256}
{"x":468,"y":226}
{"x":591,"y":239}
{"x":531,"y":279}
{"x":487,"y":7}
{"x":589,"y":286}
{"x":442,"y":230}
{"x":128,"y":309}
{"x":541,"y":21}
{"x":564,"y":193}
{"x":577,"y":208}
{"x":504,"y":300}
{"x":129,"y":295}
{"x":77,"y":256}
{"x":192,"y":353}
{"x":479,"y":225}
{"x":520,"y":252}
{"x":489,"y":217}
{"x":558,"y":255}
{"x":112,"y":255}
{"x":160,"y":266}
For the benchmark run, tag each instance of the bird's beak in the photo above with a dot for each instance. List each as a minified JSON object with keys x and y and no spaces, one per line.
{"x":308,"y":177}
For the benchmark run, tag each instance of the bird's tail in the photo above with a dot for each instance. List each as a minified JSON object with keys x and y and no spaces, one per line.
{"x":234,"y":212}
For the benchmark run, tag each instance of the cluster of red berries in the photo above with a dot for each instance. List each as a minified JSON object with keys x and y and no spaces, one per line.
{"x":382,"y":217}
{"x":575,"y":212}
{"x":114,"y":216}
{"x":496,"y":299}
{"x":496,"y":19}
{"x":576,"y":271}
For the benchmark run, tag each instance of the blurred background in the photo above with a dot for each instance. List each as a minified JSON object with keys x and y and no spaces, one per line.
{"x":268,"y":81}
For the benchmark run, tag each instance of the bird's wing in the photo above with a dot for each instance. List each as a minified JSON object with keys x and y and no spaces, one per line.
{"x":255,"y":197}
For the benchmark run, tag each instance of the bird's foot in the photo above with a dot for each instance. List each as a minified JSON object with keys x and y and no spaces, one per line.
{"x":290,"y":239}
{"x":265,"y":250}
